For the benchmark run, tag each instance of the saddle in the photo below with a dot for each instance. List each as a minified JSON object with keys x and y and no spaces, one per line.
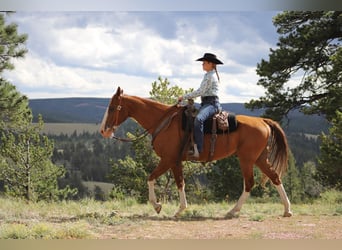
{"x":225,"y":121}
{"x":220,"y":123}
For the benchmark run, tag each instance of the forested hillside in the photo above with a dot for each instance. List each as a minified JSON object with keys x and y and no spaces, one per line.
{"x":91,"y":110}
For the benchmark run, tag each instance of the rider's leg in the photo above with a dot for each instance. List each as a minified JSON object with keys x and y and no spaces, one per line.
{"x":204,"y":113}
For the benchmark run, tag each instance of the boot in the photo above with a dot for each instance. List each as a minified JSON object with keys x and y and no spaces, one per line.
{"x":196,"y":153}
{"x":193,"y":153}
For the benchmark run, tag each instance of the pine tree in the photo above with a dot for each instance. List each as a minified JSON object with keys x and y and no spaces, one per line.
{"x":28,"y":171}
{"x":14,"y":111}
{"x":292,"y":181}
{"x":311,"y":187}
{"x":11,"y":44}
{"x":309,"y":53}
{"x":164,"y":93}
{"x":225,"y":179}
{"x":329,"y":170}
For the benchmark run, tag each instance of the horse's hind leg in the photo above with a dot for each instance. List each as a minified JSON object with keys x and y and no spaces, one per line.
{"x":285,"y":200}
{"x":265,"y":167}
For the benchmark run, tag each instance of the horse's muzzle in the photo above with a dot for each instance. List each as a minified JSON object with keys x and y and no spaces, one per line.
{"x":108,"y":132}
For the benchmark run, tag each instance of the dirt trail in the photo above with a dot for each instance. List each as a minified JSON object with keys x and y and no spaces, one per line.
{"x":297,"y":227}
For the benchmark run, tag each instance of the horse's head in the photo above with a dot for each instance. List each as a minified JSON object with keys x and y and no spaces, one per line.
{"x":114,"y":115}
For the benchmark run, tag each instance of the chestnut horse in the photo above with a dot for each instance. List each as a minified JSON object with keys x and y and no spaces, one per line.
{"x":257,"y":141}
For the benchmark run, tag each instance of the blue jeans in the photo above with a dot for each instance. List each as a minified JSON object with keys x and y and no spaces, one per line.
{"x":206,"y":111}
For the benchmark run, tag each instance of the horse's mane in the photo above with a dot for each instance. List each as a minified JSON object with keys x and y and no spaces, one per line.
{"x":150,"y":102}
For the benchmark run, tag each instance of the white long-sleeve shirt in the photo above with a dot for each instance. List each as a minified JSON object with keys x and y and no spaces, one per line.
{"x":208,"y":87}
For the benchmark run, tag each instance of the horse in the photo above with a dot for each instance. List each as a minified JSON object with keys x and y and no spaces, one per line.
{"x":257,"y":141}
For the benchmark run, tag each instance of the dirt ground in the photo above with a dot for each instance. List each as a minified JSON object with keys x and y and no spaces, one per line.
{"x":296,"y":227}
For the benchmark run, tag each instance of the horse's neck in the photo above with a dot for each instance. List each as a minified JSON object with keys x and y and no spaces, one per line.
{"x":146,"y":112}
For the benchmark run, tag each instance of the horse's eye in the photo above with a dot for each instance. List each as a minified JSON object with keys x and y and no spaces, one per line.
{"x":111,"y":109}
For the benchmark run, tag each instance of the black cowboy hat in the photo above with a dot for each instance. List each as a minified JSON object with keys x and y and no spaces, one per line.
{"x":210,"y":58}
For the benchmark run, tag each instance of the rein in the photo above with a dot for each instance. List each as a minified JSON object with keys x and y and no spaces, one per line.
{"x":141,"y":136}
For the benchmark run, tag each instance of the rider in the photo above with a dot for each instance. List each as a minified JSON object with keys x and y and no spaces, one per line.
{"x":209,"y":100}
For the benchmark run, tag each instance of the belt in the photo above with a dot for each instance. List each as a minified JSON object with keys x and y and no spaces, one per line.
{"x":209,"y":98}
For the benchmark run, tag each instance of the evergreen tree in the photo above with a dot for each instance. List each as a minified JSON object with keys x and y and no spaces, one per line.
{"x":25,"y":155}
{"x":129,"y":176}
{"x":14,"y":111}
{"x":28,"y":171}
{"x":225,"y":179}
{"x":292,"y":182}
{"x":164,"y":93}
{"x":329,"y":170}
{"x":310,"y":52}
{"x":11,"y":44}
{"x":311,"y":187}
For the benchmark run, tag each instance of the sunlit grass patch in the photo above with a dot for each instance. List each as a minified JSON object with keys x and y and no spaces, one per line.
{"x":75,"y":230}
{"x":257,"y":217}
{"x":42,"y":231}
{"x":14,"y":231}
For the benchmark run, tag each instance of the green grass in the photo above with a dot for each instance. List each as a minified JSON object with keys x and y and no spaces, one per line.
{"x":32,"y":230}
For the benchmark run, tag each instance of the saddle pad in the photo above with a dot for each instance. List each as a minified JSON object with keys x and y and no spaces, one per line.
{"x":233,"y":124}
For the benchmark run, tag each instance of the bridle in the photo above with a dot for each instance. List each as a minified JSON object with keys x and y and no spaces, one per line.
{"x":116,"y":123}
{"x":118,"y":109}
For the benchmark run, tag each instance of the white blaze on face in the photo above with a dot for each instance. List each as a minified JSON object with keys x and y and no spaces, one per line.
{"x":103,"y":123}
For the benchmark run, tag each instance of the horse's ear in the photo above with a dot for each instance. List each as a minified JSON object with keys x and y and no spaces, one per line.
{"x":119,"y":91}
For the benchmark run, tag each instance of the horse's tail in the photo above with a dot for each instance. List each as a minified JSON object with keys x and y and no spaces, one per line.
{"x":278,"y":148}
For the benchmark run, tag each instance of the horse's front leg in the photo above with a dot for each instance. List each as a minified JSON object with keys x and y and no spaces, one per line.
{"x":182,"y":198}
{"x":152,"y":196}
{"x":162,"y":167}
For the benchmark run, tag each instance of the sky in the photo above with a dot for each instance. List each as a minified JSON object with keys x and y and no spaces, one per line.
{"x":91,"y":53}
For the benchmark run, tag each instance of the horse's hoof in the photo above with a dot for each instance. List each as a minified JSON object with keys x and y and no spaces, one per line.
{"x":158,"y":208}
{"x":287,"y":214}
{"x":231,"y":215}
{"x":180,"y":210}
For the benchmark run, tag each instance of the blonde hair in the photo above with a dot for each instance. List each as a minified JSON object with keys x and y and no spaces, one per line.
{"x":214,"y":67}
{"x":218,"y":77}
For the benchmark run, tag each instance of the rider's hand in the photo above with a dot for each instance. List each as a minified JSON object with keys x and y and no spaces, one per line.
{"x":180,"y":99}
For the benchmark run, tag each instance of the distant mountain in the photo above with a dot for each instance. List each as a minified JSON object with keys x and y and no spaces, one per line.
{"x":91,"y":110}
{"x":69,"y":110}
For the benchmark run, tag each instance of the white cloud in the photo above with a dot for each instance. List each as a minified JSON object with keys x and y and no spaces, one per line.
{"x":50,"y":80}
{"x":91,"y":53}
{"x":92,"y":46}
